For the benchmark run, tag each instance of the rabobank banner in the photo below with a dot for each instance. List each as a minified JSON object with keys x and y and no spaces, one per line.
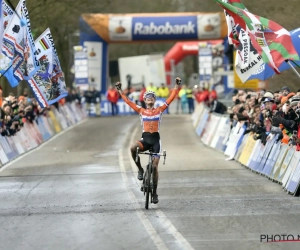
{"x":172,"y":27}
{"x":165,"y":28}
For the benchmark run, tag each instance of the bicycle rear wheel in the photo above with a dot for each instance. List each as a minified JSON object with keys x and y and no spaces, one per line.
{"x":148,"y":186}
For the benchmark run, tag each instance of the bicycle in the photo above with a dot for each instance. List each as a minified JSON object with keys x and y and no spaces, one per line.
{"x":147,"y":186}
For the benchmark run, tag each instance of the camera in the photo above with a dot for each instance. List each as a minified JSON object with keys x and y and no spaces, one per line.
{"x":268,"y":113}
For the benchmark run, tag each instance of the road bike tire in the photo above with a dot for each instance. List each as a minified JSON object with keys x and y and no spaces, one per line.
{"x":148,"y":187}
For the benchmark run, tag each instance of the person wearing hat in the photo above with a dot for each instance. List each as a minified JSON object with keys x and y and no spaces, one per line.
{"x":289,"y":111}
{"x":268,"y":112}
{"x":294,"y":101}
{"x":268,"y":94}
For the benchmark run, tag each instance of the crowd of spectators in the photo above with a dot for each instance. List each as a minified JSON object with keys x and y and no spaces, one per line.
{"x":15,"y":111}
{"x":267,"y":113}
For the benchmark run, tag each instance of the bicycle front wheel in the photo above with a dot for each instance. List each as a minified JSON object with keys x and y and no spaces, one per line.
{"x":148,"y":186}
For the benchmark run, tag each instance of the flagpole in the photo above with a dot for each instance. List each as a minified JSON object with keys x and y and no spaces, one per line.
{"x":295,"y":63}
{"x":292,"y":66}
{"x":6,"y":71}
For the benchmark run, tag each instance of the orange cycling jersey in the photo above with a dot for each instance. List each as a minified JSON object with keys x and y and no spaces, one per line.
{"x":150,"y":118}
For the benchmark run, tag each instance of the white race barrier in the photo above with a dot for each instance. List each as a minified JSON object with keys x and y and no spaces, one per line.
{"x":42,"y":129}
{"x":276,"y":161}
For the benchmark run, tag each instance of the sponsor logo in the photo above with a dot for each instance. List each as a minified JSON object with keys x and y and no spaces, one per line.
{"x":120,"y":28}
{"x":261,"y":42}
{"x":164,"y":29}
{"x":190,"y":47}
{"x":260,"y":69}
{"x":251,"y":65}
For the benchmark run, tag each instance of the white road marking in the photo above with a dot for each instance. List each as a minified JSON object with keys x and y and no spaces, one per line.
{"x":164,"y":221}
{"x":40,"y":146}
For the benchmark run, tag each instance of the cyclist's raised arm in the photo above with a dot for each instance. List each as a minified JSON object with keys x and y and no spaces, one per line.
{"x":126,"y":99}
{"x":172,"y":96}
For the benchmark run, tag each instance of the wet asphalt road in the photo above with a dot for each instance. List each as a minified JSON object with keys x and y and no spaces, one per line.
{"x":80,"y":191}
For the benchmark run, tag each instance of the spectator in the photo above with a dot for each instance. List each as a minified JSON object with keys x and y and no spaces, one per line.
{"x":96,"y":99}
{"x":142,"y":102}
{"x":88,"y":95}
{"x":135,"y":96}
{"x":190,"y":99}
{"x":215,"y":105}
{"x":183,"y":98}
{"x":112,"y":96}
{"x":69,"y":96}
{"x":152,"y":88}
{"x":285,"y":91}
{"x":198,"y":94}
{"x":163,"y":92}
{"x":75,"y":96}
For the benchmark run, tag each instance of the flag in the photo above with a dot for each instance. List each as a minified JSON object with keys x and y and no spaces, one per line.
{"x":7,"y":14}
{"x":48,"y":84}
{"x":270,"y":40}
{"x":12,"y":50}
{"x":19,"y":47}
{"x":247,"y":60}
{"x":1,"y":28}
{"x":231,"y":25}
{"x":31,"y":62}
{"x":1,"y":21}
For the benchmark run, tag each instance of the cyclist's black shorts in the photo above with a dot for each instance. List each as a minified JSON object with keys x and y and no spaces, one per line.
{"x":150,"y":140}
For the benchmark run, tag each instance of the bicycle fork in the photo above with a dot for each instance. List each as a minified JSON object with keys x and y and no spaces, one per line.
{"x":144,"y":184}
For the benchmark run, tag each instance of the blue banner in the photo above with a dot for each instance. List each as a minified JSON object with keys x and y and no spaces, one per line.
{"x":164,"y":28}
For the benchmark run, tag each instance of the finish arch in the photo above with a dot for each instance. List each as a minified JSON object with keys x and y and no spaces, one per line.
{"x":98,"y":30}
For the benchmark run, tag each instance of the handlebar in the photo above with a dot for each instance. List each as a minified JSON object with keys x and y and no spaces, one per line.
{"x":164,"y":154}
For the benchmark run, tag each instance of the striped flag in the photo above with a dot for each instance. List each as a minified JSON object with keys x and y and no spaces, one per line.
{"x":48,"y":84}
{"x":18,"y":47}
{"x":7,"y":13}
{"x":271,"y":41}
{"x":44,"y":44}
{"x":233,"y":36}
